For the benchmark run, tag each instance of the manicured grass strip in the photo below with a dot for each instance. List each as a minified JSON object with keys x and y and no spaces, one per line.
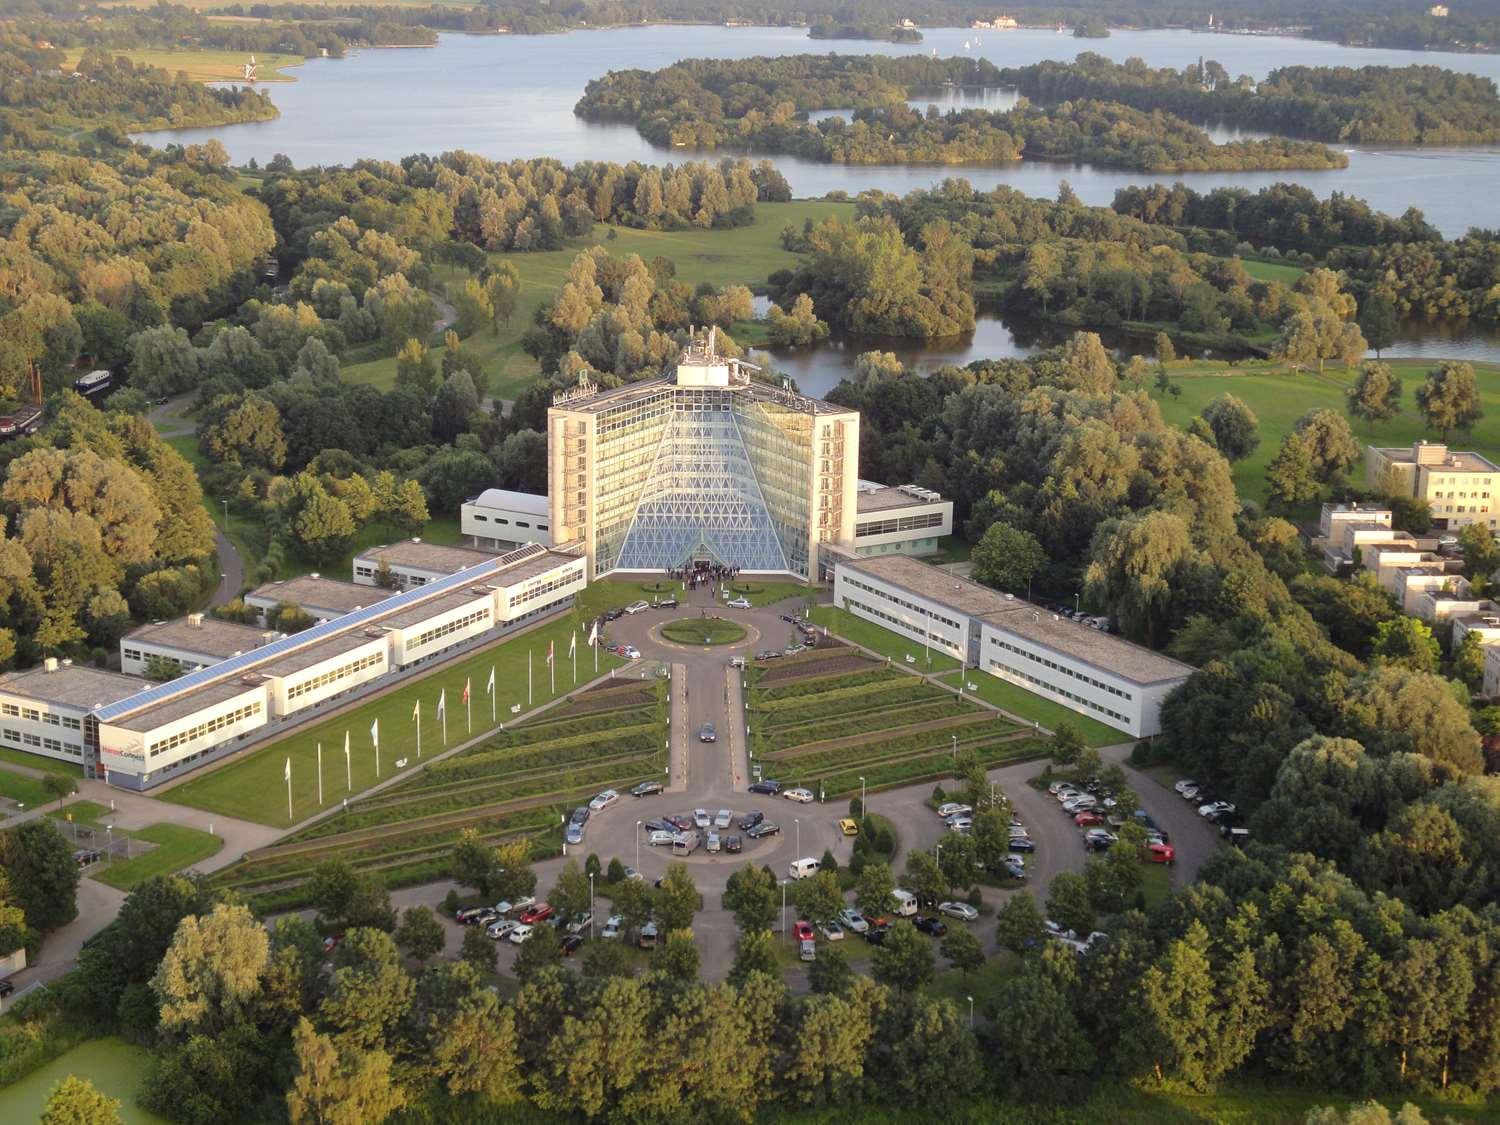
{"x":177,"y":847}
{"x":253,"y":788}
{"x":759,"y":593}
{"x":1033,"y":707}
{"x":27,"y":790}
{"x":704,"y":631}
{"x":894,"y":646}
{"x":1272,"y":271}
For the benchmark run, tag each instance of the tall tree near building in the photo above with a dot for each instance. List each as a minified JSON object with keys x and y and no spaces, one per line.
{"x":1406,"y":642}
{"x":1137,"y":568}
{"x":1378,"y":321}
{"x":1235,"y":427}
{"x":1449,"y":399}
{"x":1007,"y":557}
{"x":1331,"y":445}
{"x":1481,"y":554}
{"x":211,"y":973}
{"x":38,"y":861}
{"x":1375,"y":395}
{"x":1290,"y":477}
{"x":339,"y":1083}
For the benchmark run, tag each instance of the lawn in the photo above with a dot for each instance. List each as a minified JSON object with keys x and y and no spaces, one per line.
{"x":1272,"y":271}
{"x":984,"y":984}
{"x":252,"y":786}
{"x":897,"y":648}
{"x":742,"y":256}
{"x":207,"y":66}
{"x":27,"y":790}
{"x":759,"y":593}
{"x":704,"y":631}
{"x":40,"y":762}
{"x":1279,"y":397}
{"x":177,"y":847}
{"x":1037,"y":709}
{"x":1156,"y":884}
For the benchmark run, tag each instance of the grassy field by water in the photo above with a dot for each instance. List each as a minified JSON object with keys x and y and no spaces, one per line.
{"x":208,"y":66}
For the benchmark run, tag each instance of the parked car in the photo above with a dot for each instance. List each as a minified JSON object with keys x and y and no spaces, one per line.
{"x":733,"y":845}
{"x":1022,"y":844}
{"x":953,"y":808}
{"x":707,"y":733}
{"x":1159,"y":852}
{"x":505,"y":907}
{"x":6,"y":988}
{"x":724,"y":818}
{"x":468,"y":915}
{"x":738,"y":603}
{"x":1239,"y":837}
{"x":766,"y":788}
{"x":521,"y":933}
{"x":751,"y":819}
{"x":648,"y":934}
{"x":630,"y":652}
{"x":1215,"y":809}
{"x":804,"y":868}
{"x":539,"y":912}
{"x":681,"y":823}
{"x":1088,"y":819}
{"x":1015,"y":867}
{"x":1184,"y":785}
{"x":801,"y":796}
{"x":832,"y":930}
{"x":658,"y":824}
{"x":661,"y":839}
{"x":667,"y":603}
{"x":83,"y":857}
{"x":1099,"y":840}
{"x":960,"y":824}
{"x":604,"y":800}
{"x":501,"y":928}
{"x":571,"y":943}
{"x":574,"y":834}
{"x":614,"y":614}
{"x":935,"y":927}
{"x":646,"y":789}
{"x":763,"y":829}
{"x":849,"y":826}
{"x":960,"y":910}
{"x":612,"y":926}
{"x":713,"y":843}
{"x":803,"y":930}
{"x":701,"y":819}
{"x":637,"y":607}
{"x":807,"y":950}
{"x":581,"y":923}
{"x":878,"y":927}
{"x":852,"y":921}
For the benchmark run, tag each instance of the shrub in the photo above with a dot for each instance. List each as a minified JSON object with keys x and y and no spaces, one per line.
{"x":616,"y":872}
{"x":592,"y":866}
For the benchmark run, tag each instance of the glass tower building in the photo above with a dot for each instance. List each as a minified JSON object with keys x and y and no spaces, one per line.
{"x":703,"y":466}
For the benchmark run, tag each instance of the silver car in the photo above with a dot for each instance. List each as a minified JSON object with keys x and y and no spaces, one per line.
{"x":701,"y":818}
{"x":724,"y":819}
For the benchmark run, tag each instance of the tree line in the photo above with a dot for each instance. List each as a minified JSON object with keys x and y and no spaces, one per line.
{"x":762,"y":104}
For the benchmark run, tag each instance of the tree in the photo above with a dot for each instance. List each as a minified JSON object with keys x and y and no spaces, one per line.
{"x":453,"y":406}
{"x":1468,"y":662}
{"x":370,"y":992}
{"x":1375,"y":395}
{"x":541,"y":951}
{"x":873,"y":887}
{"x":1138,"y":568}
{"x":1165,"y":353}
{"x":959,"y":861}
{"x":512,"y":876}
{"x":339,"y":1083}
{"x":1235,"y":427}
{"x":212,"y":971}
{"x":756,"y":953}
{"x":604,"y":959}
{"x":1069,"y":905}
{"x":75,"y":1101}
{"x":1378,"y":321}
{"x":1394,"y":709}
{"x":1290,"y":478}
{"x":38,"y":862}
{"x":1449,"y":398}
{"x":59,"y":786}
{"x":345,"y":897}
{"x":750,"y":895}
{"x":1406,"y":642}
{"x":1019,"y":924}
{"x":474,"y":1050}
{"x":163,"y":361}
{"x":963,"y":950}
{"x":570,"y":894}
{"x":830,"y":974}
{"x":1331,"y":445}
{"x":677,"y":957}
{"x":473,"y":863}
{"x":478,"y":950}
{"x":904,"y":958}
{"x":676,"y":900}
{"x":819,"y":897}
{"x":925,"y":879}
{"x":1481,"y":554}
{"x":416,"y":369}
{"x":246,"y":431}
{"x":1007,"y":557}
{"x":420,"y":934}
{"x":1083,"y":364}
{"x":1054,"y":1052}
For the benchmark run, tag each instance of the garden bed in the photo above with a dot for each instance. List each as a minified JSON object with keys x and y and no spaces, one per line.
{"x":704,"y":631}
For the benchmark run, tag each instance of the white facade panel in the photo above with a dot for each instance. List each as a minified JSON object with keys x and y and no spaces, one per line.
{"x":173,"y":742}
{"x":328,"y":678}
{"x":441,"y":631}
{"x":515,"y":602}
{"x":489,"y":524}
{"x":49,"y":729}
{"x":921,"y":620}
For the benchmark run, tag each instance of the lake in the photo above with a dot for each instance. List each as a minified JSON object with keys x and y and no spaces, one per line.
{"x":511,"y":96}
{"x":111,"y":1064}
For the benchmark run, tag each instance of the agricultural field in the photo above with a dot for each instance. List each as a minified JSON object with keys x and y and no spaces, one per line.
{"x":1280,"y":396}
{"x":252,"y":786}
{"x":826,"y":718}
{"x":740,"y":256}
{"x":208,"y":66}
{"x":520,"y":781}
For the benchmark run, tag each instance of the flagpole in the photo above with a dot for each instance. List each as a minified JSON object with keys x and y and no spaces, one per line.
{"x":528,"y":677}
{"x":469,"y":708}
{"x":573,"y":649}
{"x":288,"y":790}
{"x":445,"y":726}
{"x":416,"y":718}
{"x":492,"y":693}
{"x":320,"y":775}
{"x":348,"y":768}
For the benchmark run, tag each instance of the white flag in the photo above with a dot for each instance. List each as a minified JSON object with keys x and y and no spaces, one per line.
{"x":416,"y":712}
{"x":346,"y":746}
{"x":287,"y":773}
{"x":594,"y":633}
{"x":490,"y":687}
{"x":573,"y":643}
{"x":375,"y":733}
{"x":442,"y":703}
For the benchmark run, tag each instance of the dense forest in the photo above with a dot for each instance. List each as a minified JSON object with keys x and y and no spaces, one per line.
{"x":1365,"y":105}
{"x":761,"y":104}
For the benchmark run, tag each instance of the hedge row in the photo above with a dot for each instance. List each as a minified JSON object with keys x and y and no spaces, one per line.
{"x":814,"y":684}
{"x":495,"y":761}
{"x":981,"y":728}
{"x":884,"y":718}
{"x":518,"y":763}
{"x":930,"y":767}
{"x":849,"y":702}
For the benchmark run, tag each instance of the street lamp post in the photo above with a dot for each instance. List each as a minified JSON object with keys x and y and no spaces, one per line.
{"x":591,"y":906}
{"x":861,"y":798}
{"x":797,"y":822}
{"x":971,"y":1012}
{"x":637,"y":845}
{"x":226,"y":515}
{"x":783,"y":911}
{"x":955,"y":746}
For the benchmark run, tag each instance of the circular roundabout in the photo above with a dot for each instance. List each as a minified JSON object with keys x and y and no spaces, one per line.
{"x":706,"y":631}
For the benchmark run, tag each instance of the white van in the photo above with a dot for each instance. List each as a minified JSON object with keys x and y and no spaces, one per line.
{"x":906,"y":903}
{"x":803,"y":868}
{"x":686,"y":843}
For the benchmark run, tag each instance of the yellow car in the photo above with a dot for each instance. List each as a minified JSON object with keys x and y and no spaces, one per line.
{"x":849,"y":827}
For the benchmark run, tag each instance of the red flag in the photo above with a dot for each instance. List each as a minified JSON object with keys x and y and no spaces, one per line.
{"x":466,"y":689}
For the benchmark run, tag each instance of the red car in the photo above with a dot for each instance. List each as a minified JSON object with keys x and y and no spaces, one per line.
{"x":1160,"y":853}
{"x":1088,"y":819}
{"x":538,"y":913}
{"x":803,"y":930}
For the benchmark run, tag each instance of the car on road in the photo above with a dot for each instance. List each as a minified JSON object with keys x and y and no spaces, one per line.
{"x":661,"y":839}
{"x":954,"y":808}
{"x":571,"y":943}
{"x":646,"y":789}
{"x":832,"y":930}
{"x":763,"y":829}
{"x":852,"y":920}
{"x":707,"y":733}
{"x":767,"y":788}
{"x":1015,"y":867}
{"x":1099,"y":840}
{"x":1184,"y":785}
{"x":604,"y":800}
{"x":960,"y":910}
{"x":701,"y":819}
{"x":1088,"y":819}
{"x":803,"y":930}
{"x":934,"y":927}
{"x":612,"y":926}
{"x":667,"y":603}
{"x":521,"y":933}
{"x":733,"y":845}
{"x":1159,"y":852}
{"x":539,"y":912}
{"x":849,"y":826}
{"x":751,"y":819}
{"x":637,"y":607}
{"x":802,"y":796}
{"x":738,"y":603}
{"x":500,"y":928}
{"x":724,"y":818}
{"x":1022,"y":844}
{"x":505,"y":907}
{"x":1215,"y":808}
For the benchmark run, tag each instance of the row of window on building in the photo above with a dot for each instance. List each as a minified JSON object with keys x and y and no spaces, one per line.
{"x":343,"y":672}
{"x":29,"y":741}
{"x":902,"y":523}
{"x":218,"y":723}
{"x":36,"y":716}
{"x":920,"y":610}
{"x":448,"y":627}
{"x":1063,"y":668}
{"x":937,"y":640}
{"x":1006,"y":672}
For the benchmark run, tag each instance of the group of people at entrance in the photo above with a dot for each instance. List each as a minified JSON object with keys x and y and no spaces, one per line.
{"x":702,"y":573}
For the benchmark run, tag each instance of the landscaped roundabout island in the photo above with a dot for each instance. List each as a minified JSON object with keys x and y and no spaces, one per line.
{"x":703,"y":631}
